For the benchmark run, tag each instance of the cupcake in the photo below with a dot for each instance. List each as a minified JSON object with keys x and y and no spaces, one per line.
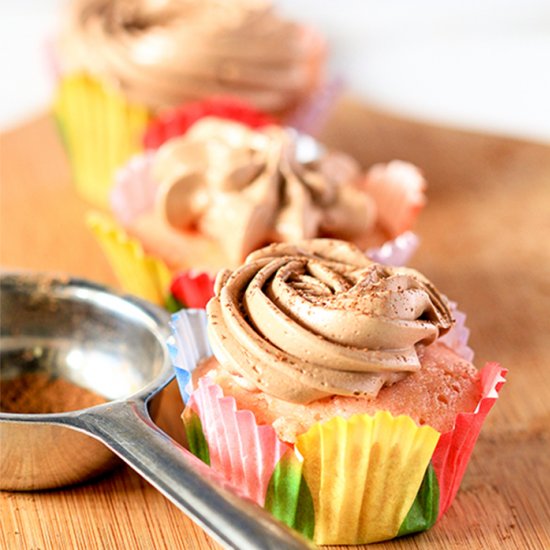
{"x":121,"y":63}
{"x":334,"y":391}
{"x":207,"y":199}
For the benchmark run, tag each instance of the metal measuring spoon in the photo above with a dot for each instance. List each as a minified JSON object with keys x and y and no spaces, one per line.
{"x":114,"y":346}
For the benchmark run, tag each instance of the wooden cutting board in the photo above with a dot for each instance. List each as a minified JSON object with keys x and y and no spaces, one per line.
{"x":485,"y":242}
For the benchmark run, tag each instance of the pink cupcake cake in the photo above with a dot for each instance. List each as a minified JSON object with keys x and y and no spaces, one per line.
{"x":206,"y":199}
{"x":337,"y":392}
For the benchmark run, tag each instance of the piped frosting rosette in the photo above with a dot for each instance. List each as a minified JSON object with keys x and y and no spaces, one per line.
{"x":354,"y":480}
{"x":164,"y":53}
{"x":243,"y":188}
{"x":318,"y":318}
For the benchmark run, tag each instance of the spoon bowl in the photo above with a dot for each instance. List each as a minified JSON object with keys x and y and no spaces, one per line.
{"x":77,"y":331}
{"x":115,"y":346}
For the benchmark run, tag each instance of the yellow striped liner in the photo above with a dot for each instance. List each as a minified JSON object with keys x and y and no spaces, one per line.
{"x":138,"y":273}
{"x":101,"y":131}
{"x":364,"y":474}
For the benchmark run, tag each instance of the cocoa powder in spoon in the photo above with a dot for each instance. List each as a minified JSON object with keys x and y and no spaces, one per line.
{"x":41,"y":393}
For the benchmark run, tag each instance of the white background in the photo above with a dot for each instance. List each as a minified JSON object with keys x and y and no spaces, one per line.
{"x":481,"y":64}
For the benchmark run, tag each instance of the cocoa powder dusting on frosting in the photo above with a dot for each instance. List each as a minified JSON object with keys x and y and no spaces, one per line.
{"x":318,"y":318}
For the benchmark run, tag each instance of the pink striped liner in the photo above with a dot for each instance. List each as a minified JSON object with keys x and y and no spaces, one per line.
{"x":398,"y":188}
{"x":134,"y":190}
{"x":310,"y":116}
{"x":396,"y":252}
{"x":242,"y":451}
{"x":457,"y":337}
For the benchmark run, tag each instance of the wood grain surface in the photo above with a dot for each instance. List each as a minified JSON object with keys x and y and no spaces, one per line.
{"x":485,"y":242}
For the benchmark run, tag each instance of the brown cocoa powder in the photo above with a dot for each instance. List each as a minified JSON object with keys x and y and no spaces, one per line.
{"x":41,"y":393}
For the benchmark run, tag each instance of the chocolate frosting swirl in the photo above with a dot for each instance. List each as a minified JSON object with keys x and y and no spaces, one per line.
{"x":165,"y":52}
{"x":247,"y":187}
{"x":318,"y":318}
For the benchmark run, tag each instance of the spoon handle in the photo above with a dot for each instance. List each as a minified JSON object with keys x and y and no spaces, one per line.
{"x":127,"y":429}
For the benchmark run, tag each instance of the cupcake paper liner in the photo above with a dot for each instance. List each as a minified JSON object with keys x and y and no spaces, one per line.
{"x":345,"y":481}
{"x":457,"y":337}
{"x":134,"y":190}
{"x":396,"y":252}
{"x":363,"y":474}
{"x":100,"y":129}
{"x":51,"y":59}
{"x":138,"y":273}
{"x":308,"y":117}
{"x":175,"y":122}
{"x":455,"y":447}
{"x":242,"y":451}
{"x":398,"y":189}
{"x":311,"y":115}
{"x":193,"y":288}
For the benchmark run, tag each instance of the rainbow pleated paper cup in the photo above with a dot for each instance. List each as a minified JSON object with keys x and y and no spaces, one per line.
{"x":100,"y":129}
{"x":137,"y":272}
{"x":358,"y":480}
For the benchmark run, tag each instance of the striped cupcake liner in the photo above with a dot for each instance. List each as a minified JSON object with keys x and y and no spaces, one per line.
{"x":100,"y":131}
{"x":346,"y":481}
{"x":138,"y":273}
{"x":175,"y":122}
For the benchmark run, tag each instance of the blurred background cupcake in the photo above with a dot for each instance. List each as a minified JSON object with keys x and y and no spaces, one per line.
{"x":208,"y":198}
{"x":120,"y":62}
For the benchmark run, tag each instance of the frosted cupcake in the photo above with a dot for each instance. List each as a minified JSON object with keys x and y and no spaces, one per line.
{"x":122,"y":62}
{"x":336,"y":396}
{"x":207,"y":199}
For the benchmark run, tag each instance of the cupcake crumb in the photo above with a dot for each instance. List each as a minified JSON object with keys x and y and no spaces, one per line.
{"x":444,"y":386}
